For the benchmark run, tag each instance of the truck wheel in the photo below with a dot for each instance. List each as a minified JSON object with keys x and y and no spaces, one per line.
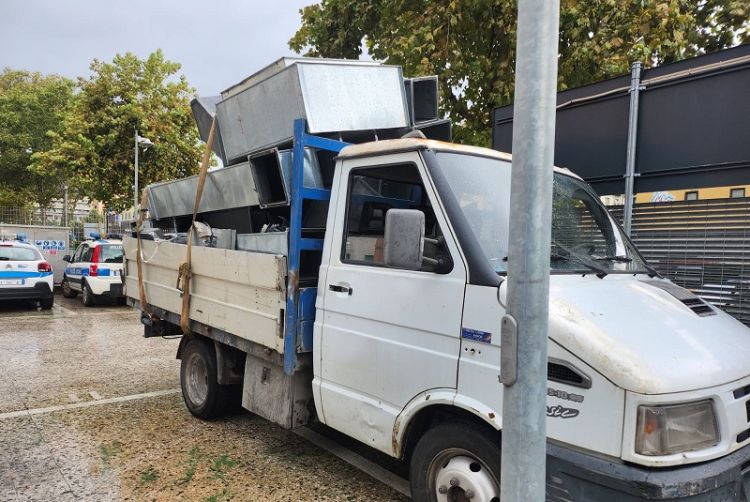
{"x":88,"y":297}
{"x":47,"y":303}
{"x":203,"y":396}
{"x":456,"y":462}
{"x":67,"y":291}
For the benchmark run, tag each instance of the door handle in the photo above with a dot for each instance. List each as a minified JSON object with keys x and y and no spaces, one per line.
{"x":340,"y":289}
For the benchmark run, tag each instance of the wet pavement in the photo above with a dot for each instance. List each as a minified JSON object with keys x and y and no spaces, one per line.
{"x":92,"y":411}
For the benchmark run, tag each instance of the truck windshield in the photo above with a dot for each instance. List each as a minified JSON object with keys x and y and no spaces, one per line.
{"x":585,"y":237}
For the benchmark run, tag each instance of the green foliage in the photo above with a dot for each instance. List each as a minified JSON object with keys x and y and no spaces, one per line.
{"x":149,"y":475}
{"x":32,"y":108}
{"x":109,"y":451}
{"x":96,"y":145}
{"x":470,"y":44}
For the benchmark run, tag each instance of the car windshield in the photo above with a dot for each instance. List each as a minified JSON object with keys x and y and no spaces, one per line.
{"x":585,"y":237}
{"x":17,"y":253}
{"x":110,"y":253}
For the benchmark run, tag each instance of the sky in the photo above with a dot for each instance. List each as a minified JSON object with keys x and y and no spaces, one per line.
{"x":217,"y":42}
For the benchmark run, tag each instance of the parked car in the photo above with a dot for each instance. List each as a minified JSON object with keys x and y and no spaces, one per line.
{"x":94,"y":270}
{"x":24,"y":274}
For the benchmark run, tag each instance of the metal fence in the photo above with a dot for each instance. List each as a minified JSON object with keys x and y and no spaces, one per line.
{"x":702,"y":245}
{"x":81,"y":222}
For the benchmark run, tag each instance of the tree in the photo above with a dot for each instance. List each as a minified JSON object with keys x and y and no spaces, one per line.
{"x":470,"y":44}
{"x":96,"y":145}
{"x":32,"y":109}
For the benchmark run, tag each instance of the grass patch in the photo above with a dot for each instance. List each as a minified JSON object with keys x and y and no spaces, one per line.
{"x":149,"y":475}
{"x":109,"y":451}
{"x":192,"y":464}
{"x":221,"y":465}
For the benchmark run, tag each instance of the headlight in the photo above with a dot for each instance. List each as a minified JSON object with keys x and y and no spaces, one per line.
{"x":663,"y":430}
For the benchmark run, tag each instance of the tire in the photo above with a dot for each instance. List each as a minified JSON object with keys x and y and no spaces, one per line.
{"x":460,"y":452}
{"x":47,"y":303}
{"x":203,"y":395}
{"x":67,"y":291}
{"x":89,"y":298}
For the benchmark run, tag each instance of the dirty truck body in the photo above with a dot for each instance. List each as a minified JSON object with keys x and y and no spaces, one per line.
{"x":385,"y":326}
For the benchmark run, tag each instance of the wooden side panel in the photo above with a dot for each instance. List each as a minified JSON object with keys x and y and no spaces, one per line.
{"x":241,"y":292}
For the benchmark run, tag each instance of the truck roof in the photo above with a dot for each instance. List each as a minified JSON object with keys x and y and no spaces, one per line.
{"x":386,"y":146}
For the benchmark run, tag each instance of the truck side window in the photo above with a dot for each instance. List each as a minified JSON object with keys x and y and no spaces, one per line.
{"x":372,"y":192}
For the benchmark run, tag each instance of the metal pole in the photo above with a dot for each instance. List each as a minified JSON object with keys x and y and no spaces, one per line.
{"x":135,"y":191}
{"x":524,"y":327}
{"x":65,"y":205}
{"x":635,"y":91}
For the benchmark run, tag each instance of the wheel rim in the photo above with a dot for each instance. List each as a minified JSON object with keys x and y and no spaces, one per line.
{"x":66,"y":287}
{"x":86,"y":293}
{"x":196,"y":378}
{"x":456,"y":475}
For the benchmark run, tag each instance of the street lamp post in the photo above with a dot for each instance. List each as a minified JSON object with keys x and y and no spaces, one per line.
{"x":146,"y":143}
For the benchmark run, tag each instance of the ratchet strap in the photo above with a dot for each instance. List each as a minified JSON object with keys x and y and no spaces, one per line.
{"x":145,"y":307}
{"x":185,"y":273}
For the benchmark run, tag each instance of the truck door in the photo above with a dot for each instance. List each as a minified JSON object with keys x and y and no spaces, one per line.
{"x":387,"y":335}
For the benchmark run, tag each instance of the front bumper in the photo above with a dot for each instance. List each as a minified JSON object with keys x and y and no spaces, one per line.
{"x":577,"y":476}
{"x":40,"y":291}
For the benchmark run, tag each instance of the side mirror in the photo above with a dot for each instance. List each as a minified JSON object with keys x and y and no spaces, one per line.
{"x":66,"y":258}
{"x":404,"y":238}
{"x":502,"y":294}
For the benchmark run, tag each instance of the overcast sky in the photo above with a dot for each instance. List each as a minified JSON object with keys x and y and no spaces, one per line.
{"x":217,"y":42}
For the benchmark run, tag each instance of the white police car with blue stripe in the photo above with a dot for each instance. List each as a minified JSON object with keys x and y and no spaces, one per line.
{"x":24,"y":274}
{"x":94,"y":270}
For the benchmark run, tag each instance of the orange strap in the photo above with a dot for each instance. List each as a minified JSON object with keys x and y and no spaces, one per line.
{"x":185,"y":272}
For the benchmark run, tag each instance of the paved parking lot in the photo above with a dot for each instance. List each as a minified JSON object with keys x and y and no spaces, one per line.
{"x":92,"y":411}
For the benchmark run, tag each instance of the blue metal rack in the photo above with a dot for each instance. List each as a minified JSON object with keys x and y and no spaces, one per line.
{"x":300,"y":303}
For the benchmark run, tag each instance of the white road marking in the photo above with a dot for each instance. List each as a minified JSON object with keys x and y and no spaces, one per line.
{"x":87,"y":404}
{"x":94,"y":394}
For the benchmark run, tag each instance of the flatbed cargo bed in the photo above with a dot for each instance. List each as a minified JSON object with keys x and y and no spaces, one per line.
{"x":240,"y":292}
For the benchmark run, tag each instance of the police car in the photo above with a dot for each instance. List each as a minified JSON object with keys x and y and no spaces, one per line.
{"x":94,"y":270}
{"x":24,"y":274}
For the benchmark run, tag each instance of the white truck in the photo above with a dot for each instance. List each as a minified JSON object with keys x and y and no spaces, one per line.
{"x":383,"y":323}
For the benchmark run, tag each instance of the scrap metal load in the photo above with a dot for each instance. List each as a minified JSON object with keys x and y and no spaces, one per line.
{"x":351,"y":101}
{"x":254,"y":266}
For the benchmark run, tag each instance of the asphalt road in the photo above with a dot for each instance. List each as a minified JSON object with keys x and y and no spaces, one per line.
{"x":92,"y":411}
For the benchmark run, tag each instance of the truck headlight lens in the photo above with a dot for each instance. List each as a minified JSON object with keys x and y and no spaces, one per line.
{"x":663,"y":430}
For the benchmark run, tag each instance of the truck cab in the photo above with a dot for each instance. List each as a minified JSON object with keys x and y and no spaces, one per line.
{"x":641,"y":373}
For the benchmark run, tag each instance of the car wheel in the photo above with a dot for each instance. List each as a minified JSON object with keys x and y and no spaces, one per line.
{"x":456,"y":461}
{"x":47,"y":303}
{"x":67,"y":291}
{"x":203,"y":395}
{"x":88,"y":297}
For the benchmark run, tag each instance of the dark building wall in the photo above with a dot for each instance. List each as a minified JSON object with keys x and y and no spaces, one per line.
{"x":693,"y":128}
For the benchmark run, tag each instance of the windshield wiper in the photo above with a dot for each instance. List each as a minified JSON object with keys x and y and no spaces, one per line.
{"x":600,"y":272}
{"x":618,"y":258}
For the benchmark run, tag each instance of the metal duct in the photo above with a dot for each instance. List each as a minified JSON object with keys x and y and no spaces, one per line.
{"x":204,"y":110}
{"x":227,"y":188}
{"x":272,"y":175}
{"x":422,"y":98}
{"x":332,"y":97}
